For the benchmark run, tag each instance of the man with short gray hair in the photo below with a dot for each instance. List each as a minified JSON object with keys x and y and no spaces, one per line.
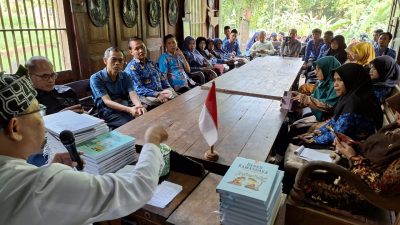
{"x":55,"y":97}
{"x":113,"y":91}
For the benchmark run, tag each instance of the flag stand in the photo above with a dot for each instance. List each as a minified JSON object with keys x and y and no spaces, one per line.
{"x":211,"y":155}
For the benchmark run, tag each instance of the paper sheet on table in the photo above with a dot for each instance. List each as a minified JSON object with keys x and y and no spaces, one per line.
{"x":312,"y":155}
{"x":164,"y":194}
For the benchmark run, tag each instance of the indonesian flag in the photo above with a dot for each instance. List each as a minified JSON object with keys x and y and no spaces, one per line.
{"x":208,"y":122}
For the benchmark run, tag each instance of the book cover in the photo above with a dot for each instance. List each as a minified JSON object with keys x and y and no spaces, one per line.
{"x":249,"y":178}
{"x":69,"y":120}
{"x":106,"y":144}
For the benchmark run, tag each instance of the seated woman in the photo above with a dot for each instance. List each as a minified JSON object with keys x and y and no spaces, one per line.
{"x":376,"y":161}
{"x":358,"y":113}
{"x":218,"y":51}
{"x":361,"y":53}
{"x":323,"y":99}
{"x":251,"y":41}
{"x":196,"y":61}
{"x":385,"y":75}
{"x":217,"y":64}
{"x":338,"y":46}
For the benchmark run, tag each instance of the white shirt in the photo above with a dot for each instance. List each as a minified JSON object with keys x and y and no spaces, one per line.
{"x":266,"y":45}
{"x":58,"y":195}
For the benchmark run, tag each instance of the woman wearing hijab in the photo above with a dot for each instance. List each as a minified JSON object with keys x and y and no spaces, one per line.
{"x":362,"y":53}
{"x":376,"y":161}
{"x":323,"y":99}
{"x":196,"y":61}
{"x":338,"y":46}
{"x":252,"y":40}
{"x":358,"y":113}
{"x":217,"y":64}
{"x":219,"y":52}
{"x":385,"y":75}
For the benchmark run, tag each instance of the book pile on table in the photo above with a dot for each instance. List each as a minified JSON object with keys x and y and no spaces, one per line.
{"x":83,"y":126}
{"x":108,"y":152}
{"x":250,"y":193}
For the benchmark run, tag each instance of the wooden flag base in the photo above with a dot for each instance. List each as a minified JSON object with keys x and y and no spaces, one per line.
{"x":211,"y":155}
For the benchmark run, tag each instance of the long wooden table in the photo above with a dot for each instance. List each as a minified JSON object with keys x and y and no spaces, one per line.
{"x":264,"y":77}
{"x":248,"y":126}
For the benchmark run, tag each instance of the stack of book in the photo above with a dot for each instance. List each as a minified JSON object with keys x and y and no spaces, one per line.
{"x":250,"y":193}
{"x":108,"y":152}
{"x":83,"y":126}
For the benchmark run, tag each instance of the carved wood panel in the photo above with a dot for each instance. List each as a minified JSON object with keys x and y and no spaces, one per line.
{"x":123,"y":33}
{"x":152,"y":36}
{"x":92,"y":41}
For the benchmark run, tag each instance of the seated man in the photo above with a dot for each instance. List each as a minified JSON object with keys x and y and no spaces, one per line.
{"x":262,"y":47}
{"x":173,"y":63}
{"x":112,"y":89}
{"x":328,"y":36}
{"x":56,"y":194}
{"x":290,"y":45}
{"x":150,"y":84}
{"x":313,"y":48}
{"x":55,"y":97}
{"x":383,"y":45}
{"x":230,"y":45}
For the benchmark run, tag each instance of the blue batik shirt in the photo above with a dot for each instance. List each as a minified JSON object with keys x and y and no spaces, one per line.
{"x":356,"y":126}
{"x":230,"y":47}
{"x":147,"y":78}
{"x":173,"y":66}
{"x":312,"y":50}
{"x":323,"y":51}
{"x":101,"y":85}
{"x":388,"y":51}
{"x":382,"y":92}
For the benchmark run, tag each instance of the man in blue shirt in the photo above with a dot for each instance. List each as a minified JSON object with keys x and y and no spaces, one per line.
{"x":230,"y":45}
{"x":375,"y":35}
{"x":173,"y":63}
{"x":313,"y":46}
{"x":150,"y":84}
{"x":383,"y":46}
{"x":112,"y":89}
{"x":328,"y":36}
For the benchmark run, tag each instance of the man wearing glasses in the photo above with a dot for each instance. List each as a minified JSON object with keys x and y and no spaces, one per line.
{"x":56,"y":194}
{"x":55,"y":97}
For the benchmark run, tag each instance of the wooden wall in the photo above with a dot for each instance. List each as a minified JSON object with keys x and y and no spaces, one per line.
{"x":91,"y":41}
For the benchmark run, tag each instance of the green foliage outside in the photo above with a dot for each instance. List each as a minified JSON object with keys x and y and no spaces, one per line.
{"x":16,"y":46}
{"x":348,"y":18}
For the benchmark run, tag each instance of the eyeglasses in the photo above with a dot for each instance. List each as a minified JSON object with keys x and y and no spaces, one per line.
{"x":47,"y":76}
{"x":42,"y":110}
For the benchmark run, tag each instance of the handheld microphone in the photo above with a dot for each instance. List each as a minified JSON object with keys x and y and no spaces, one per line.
{"x":68,"y":140}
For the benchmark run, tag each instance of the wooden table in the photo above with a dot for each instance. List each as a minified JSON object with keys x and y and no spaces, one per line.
{"x":264,"y":77}
{"x":202,"y":206}
{"x":248,"y":126}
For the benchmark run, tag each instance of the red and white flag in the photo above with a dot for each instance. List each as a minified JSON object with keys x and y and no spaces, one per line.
{"x":208,"y":121}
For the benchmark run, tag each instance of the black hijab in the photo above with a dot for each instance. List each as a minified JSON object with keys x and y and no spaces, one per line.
{"x":202,"y":52}
{"x":388,"y":71}
{"x":359,"y":97}
{"x":340,"y":54}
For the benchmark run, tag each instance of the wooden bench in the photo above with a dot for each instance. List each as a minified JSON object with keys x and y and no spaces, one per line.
{"x":301,"y":213}
{"x":389,"y":114}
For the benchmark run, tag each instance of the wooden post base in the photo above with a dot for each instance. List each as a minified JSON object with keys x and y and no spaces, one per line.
{"x":211,"y":156}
